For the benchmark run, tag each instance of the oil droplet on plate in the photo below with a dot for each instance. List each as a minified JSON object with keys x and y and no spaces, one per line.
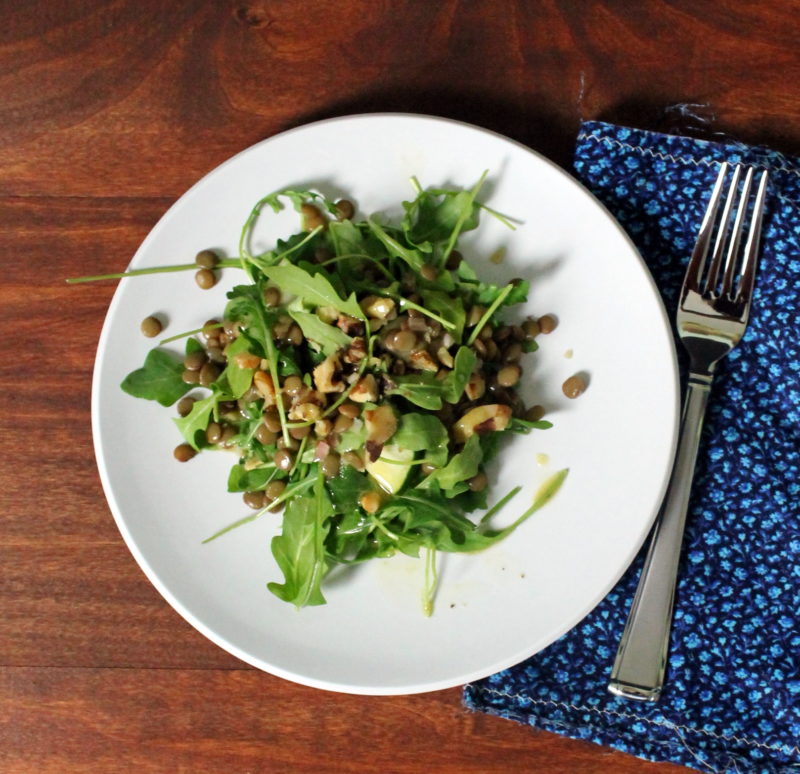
{"x":498,"y":255}
{"x":568,"y":354}
{"x":542,"y":459}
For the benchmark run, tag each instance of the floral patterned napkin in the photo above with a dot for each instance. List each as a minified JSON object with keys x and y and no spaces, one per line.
{"x":732,"y":697}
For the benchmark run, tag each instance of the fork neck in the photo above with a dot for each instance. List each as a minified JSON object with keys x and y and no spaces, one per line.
{"x":701,"y":378}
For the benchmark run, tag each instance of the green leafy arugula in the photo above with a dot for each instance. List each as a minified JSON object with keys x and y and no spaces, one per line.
{"x":456,"y":380}
{"x":194,"y":424}
{"x":158,"y":379}
{"x":410,"y":256}
{"x":329,"y":338}
{"x":436,"y":215}
{"x":423,"y":432}
{"x":242,"y":480}
{"x":422,"y":389}
{"x":315,"y":290}
{"x":236,"y":380}
{"x":447,"y":307}
{"x":300,"y":548}
{"x":453,"y":477}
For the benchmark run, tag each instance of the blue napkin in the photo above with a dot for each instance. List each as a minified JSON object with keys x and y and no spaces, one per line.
{"x":732,"y":698}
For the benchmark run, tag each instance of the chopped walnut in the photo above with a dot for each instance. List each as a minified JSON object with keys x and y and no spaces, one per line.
{"x":365,"y":391}
{"x":423,"y":361}
{"x":356,"y":352}
{"x":326,"y":375}
{"x":350,"y":325}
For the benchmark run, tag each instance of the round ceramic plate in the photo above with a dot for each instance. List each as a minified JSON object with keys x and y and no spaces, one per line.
{"x":495,"y":608}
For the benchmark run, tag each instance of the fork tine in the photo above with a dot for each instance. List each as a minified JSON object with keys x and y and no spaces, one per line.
{"x":696,"y":262}
{"x":733,"y":250}
{"x":722,"y":232}
{"x":745,"y":289}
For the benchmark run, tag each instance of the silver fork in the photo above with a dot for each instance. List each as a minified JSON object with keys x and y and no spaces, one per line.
{"x":712,"y":316}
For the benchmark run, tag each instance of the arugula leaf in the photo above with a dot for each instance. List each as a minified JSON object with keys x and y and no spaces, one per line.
{"x":246,"y":306}
{"x":346,"y":237}
{"x":273,"y":200}
{"x":287,"y":364}
{"x":422,"y":389}
{"x":348,"y":539}
{"x":193,"y":345}
{"x":487,"y":294}
{"x":412,"y":257}
{"x":354,"y":437}
{"x":329,"y":338}
{"x":298,"y":197}
{"x":347,"y":488}
{"x":452,"y":477}
{"x":524,"y":426}
{"x":529,"y":345}
{"x":300,"y":548}
{"x":491,"y":443}
{"x":547,"y":491}
{"x":454,"y":383}
{"x":241,"y":480}
{"x":449,"y":307}
{"x":427,"y":508}
{"x":481,"y":539}
{"x":300,"y":246}
{"x":315,"y":290}
{"x":434,"y":215}
{"x":197,"y":420}
{"x":469,"y":501}
{"x":423,"y":432}
{"x":466,"y":274}
{"x":237,"y":379}
{"x":158,"y":379}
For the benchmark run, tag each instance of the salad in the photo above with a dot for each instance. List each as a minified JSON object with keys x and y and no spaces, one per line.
{"x":364,"y":376}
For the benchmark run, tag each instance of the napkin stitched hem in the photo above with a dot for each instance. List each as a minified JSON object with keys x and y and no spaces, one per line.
{"x":613,"y":142}
{"x":613,"y":715}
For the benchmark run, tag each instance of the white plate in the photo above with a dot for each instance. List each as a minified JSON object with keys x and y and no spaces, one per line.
{"x":495,"y":608}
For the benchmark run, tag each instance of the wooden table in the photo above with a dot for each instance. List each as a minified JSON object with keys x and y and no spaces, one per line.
{"x":110,"y":110}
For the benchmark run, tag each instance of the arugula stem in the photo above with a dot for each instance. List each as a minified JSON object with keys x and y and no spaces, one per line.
{"x":376,"y":522}
{"x":234,"y":525}
{"x":256,"y":259}
{"x":466,"y":212}
{"x":546,"y":492}
{"x":272,"y":357}
{"x":319,"y":561}
{"x":226,"y":263}
{"x":272,"y":360}
{"x":406,"y":304}
{"x":290,"y":491}
{"x":398,"y":462}
{"x":386,"y":272}
{"x":431,"y":582}
{"x":498,"y":216}
{"x":188,"y":333}
{"x":298,"y":456}
{"x":498,"y":505}
{"x":488,"y":313}
{"x":244,"y":252}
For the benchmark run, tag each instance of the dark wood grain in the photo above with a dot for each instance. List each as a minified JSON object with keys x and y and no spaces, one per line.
{"x":109,"y":110}
{"x":142,"y":98}
{"x":109,"y":721}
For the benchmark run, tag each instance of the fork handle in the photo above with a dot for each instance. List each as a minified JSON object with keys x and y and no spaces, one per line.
{"x":638,"y":671}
